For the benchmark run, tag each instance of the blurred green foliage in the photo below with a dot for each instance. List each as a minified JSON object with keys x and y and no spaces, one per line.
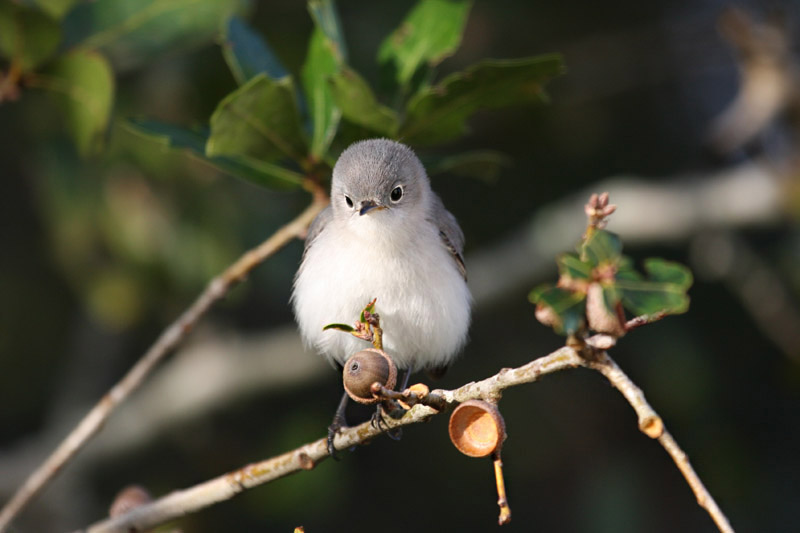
{"x":270,"y":130}
{"x":269,"y":120}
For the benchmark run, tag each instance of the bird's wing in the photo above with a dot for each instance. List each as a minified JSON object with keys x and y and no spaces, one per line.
{"x":319,"y":223}
{"x":450,"y":232}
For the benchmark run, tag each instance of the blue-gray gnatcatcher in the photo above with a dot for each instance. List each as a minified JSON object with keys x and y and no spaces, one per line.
{"x":386,"y":235}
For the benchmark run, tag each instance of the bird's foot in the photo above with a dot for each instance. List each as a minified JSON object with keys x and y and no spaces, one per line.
{"x":378,"y":421}
{"x":335,"y":427}
{"x":338,"y":423}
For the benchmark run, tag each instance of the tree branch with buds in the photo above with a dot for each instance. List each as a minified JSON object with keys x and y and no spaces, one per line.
{"x":588,"y":304}
{"x":308,"y":456}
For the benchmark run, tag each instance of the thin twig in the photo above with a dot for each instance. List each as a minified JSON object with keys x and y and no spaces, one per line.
{"x":165,"y":344}
{"x":409,"y":397}
{"x":652,"y":426}
{"x":306,"y":457}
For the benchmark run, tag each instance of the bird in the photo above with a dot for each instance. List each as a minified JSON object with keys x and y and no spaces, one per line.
{"x":386,"y":235}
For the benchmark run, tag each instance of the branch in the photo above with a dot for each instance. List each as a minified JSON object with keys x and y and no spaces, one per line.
{"x":183,"y":502}
{"x":651,"y":425}
{"x":169,"y":339}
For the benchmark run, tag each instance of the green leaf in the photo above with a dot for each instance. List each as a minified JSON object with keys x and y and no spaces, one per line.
{"x":668,"y":272}
{"x":133,"y":32}
{"x":326,"y":55}
{"x":358,"y":104}
{"x":83,"y":84}
{"x":323,"y":12}
{"x":663,"y":291}
{"x":570,"y":266}
{"x":430,"y":33}
{"x":258,"y":120}
{"x":439,"y":113}
{"x":194,"y":141}
{"x":569,"y":306}
{"x":247,"y":54}
{"x":602,"y":247}
{"x":341,"y":327}
{"x":27,"y":36}
{"x":484,"y":165}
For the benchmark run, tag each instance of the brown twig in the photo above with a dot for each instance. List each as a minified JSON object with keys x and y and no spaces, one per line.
{"x":643,"y":320}
{"x":306,"y":457}
{"x":409,"y":397}
{"x":170,"y":338}
{"x":651,"y":425}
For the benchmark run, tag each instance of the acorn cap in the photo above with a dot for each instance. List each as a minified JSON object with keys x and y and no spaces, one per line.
{"x":477,"y":428}
{"x":365,"y":368}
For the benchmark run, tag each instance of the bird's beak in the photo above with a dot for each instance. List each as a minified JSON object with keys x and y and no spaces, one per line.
{"x":367,"y":206}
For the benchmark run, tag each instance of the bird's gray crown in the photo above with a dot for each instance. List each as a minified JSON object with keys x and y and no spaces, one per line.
{"x":370,"y":170}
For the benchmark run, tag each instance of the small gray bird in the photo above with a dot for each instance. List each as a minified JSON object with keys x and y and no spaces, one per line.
{"x":386,"y":235}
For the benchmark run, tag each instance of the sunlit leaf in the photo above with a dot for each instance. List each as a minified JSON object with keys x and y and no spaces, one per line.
{"x":27,"y":36}
{"x":326,"y":55}
{"x":439,"y":113}
{"x":358,"y":104}
{"x":662,"y":291}
{"x":430,"y":33}
{"x":325,"y":17}
{"x":570,"y":266}
{"x":248,"y":54}
{"x":194,"y":141}
{"x":259,"y":120}
{"x":83,"y":84}
{"x":601,"y":247}
{"x":132,"y":32}
{"x":670,"y":272}
{"x":568,"y":306}
{"x":484,"y":165}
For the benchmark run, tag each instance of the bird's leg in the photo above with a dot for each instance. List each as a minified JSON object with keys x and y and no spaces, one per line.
{"x":406,"y":376}
{"x":339,"y":421}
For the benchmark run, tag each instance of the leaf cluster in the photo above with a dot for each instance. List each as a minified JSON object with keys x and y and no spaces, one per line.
{"x":275,"y":129}
{"x":280,"y":130}
{"x":598,"y":283}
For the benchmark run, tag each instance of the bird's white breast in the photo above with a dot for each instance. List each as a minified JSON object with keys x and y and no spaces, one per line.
{"x":423,"y":301}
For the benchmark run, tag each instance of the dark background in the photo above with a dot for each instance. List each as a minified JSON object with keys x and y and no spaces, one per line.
{"x":99,"y":255}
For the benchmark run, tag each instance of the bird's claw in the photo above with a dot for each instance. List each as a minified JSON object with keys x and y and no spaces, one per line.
{"x":379,"y":422}
{"x":333,"y":429}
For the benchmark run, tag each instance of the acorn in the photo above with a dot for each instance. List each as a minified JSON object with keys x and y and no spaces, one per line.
{"x":477,"y":428}
{"x":365,"y":368}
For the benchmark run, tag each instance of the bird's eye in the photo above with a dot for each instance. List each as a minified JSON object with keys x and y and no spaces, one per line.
{"x":348,"y":201}
{"x":397,"y":193}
